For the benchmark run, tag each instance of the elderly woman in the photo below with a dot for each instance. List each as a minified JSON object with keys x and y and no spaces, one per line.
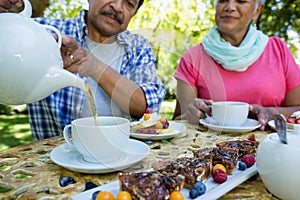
{"x":236,"y":62}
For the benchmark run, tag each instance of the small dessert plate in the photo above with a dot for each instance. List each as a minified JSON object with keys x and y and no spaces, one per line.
{"x":248,"y":125}
{"x":70,"y":158}
{"x":177,"y":129}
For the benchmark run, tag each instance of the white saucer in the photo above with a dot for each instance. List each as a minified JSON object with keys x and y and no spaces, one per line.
{"x":248,"y":125}
{"x":178,"y":128}
{"x":69,"y":158}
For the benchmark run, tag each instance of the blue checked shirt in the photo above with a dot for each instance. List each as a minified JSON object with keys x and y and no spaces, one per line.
{"x":49,"y":116}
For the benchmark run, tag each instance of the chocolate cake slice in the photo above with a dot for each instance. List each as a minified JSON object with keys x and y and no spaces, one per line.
{"x":244,"y":146}
{"x":220,"y":155}
{"x":150,"y":185}
{"x":192,"y":169}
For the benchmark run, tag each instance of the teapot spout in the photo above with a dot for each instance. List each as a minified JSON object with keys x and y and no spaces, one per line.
{"x":55,"y":79}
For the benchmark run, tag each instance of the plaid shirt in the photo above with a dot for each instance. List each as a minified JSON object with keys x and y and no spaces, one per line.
{"x":49,"y":116}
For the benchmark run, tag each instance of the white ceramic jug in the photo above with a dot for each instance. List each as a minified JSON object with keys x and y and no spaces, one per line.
{"x":30,"y":61}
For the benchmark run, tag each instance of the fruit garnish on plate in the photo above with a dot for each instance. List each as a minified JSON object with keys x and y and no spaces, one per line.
{"x":152,"y":123}
{"x":294,"y":118}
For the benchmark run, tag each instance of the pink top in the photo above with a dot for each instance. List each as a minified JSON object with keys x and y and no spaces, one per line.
{"x":265,"y":82}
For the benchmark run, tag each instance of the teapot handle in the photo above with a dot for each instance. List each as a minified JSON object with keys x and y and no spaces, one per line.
{"x":27,"y":11}
{"x":59,"y":39}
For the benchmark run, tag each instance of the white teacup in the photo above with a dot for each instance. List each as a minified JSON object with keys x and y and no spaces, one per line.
{"x":99,"y":144}
{"x":230,"y":113}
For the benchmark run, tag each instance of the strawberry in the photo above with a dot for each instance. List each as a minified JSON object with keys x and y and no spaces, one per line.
{"x":249,"y":160}
{"x":219,"y":176}
{"x":297,"y":121}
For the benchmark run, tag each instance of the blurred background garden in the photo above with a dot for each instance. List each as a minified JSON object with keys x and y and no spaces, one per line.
{"x":172,"y":27}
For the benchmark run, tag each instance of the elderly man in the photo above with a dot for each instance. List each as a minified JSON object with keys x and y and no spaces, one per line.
{"x":117,"y":65}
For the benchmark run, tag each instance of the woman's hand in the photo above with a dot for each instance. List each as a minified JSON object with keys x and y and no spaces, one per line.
{"x":198,"y":109}
{"x":262,"y":114}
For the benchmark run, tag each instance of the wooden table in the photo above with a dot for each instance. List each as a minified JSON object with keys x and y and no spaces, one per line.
{"x":27,"y":172}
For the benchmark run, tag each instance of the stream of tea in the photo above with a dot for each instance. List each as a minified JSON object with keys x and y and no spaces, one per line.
{"x":92,"y":103}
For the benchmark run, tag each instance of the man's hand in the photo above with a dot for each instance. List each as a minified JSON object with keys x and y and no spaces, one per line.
{"x":6,"y":5}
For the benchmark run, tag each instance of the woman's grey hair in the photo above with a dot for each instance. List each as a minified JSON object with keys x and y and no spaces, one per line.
{"x":258,"y":2}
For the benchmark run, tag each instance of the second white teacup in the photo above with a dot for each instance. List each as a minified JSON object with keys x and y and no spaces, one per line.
{"x":99,"y":144}
{"x":230,"y":113}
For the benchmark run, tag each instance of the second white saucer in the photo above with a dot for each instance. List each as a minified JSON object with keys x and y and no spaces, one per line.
{"x":248,"y":125}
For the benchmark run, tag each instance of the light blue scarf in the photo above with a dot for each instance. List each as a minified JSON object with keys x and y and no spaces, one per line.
{"x":231,"y":57}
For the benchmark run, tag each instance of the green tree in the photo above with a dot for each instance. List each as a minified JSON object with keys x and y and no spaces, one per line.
{"x":279,"y":18}
{"x":173,"y":26}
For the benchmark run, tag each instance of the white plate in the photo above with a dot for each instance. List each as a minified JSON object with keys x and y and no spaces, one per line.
{"x":272,"y":125}
{"x":213,"y":190}
{"x":178,"y":128}
{"x":248,"y":125}
{"x":69,"y":158}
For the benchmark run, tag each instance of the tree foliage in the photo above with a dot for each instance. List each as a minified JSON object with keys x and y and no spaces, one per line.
{"x":279,"y":18}
{"x":173,"y":26}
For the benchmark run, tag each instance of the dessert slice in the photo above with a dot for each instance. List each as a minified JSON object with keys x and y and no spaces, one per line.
{"x":243,"y":146}
{"x":220,"y":155}
{"x":192,"y":169}
{"x":151,"y":123}
{"x":150,"y":185}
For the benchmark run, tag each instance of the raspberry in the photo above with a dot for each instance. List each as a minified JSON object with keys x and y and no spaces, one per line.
{"x":148,"y":111}
{"x":219,"y":176}
{"x":251,"y":138}
{"x":249,"y":160}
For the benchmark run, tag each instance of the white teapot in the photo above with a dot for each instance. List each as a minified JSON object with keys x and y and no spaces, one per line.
{"x":278,"y":165}
{"x":30,"y":61}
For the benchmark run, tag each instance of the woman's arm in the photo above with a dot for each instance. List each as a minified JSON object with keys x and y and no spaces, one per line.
{"x":188,"y":106}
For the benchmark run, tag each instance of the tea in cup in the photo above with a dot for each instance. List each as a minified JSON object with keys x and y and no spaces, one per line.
{"x":99,"y":144}
{"x":230,"y":113}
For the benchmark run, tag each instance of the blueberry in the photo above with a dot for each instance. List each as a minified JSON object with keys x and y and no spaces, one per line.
{"x":200,"y":187}
{"x":90,"y":185}
{"x":94,"y":195}
{"x":156,"y":147}
{"x":66,"y":180}
{"x":165,"y":125}
{"x":149,"y":142}
{"x":242,"y":166}
{"x":193,"y":193}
